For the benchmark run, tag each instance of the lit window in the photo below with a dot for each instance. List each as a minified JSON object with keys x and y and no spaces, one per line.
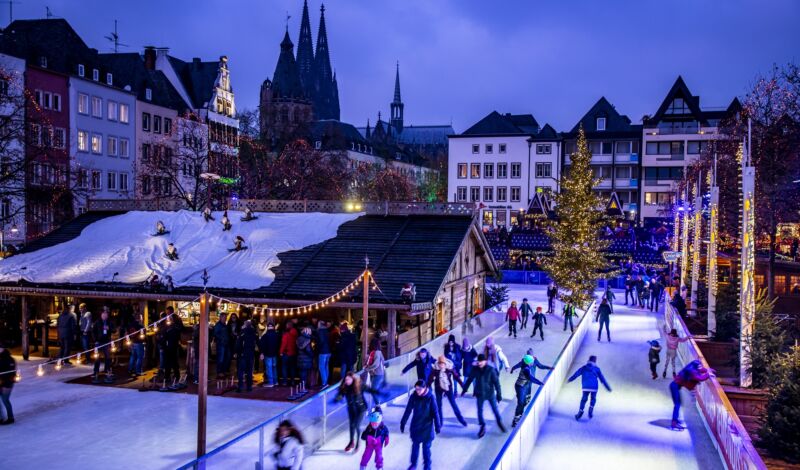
{"x":83,"y":141}
{"x":475,"y":170}
{"x":83,"y":103}
{"x":112,"y":110}
{"x":97,"y":143}
{"x":124,"y":114}
{"x":462,"y":170}
{"x":601,"y":124}
{"x":97,"y":107}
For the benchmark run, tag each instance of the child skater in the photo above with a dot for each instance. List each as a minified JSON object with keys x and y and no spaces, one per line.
{"x":377,"y":437}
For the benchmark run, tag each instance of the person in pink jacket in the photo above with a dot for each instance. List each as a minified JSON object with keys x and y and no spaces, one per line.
{"x":672,"y":349}
{"x":512,"y":315}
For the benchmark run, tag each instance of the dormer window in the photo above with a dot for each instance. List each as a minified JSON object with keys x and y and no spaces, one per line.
{"x":678,"y":106}
{"x":600,"y":124}
{"x":109,"y":79}
{"x":81,"y":70}
{"x":318,"y":144}
{"x":96,"y":75}
{"x":148,"y":94}
{"x":43,"y":62}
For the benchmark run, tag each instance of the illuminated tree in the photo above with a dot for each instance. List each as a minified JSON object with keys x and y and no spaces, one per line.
{"x":379,"y":183}
{"x":300,"y":172}
{"x":578,"y":260}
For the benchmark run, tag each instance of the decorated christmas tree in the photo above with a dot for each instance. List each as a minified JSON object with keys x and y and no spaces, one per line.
{"x":578,"y":260}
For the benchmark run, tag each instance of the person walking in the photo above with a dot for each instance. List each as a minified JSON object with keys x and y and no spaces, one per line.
{"x":288,"y":352}
{"x":135,"y":328}
{"x":512,"y":315}
{"x":552,"y":293}
{"x":348,"y":348}
{"x":305,"y":356}
{"x":569,"y":313}
{"x":610,"y":296}
{"x":494,"y":355}
{"x":629,"y":283}
{"x":421,"y":408}
{"x":101,"y":335}
{"x":222,"y":341}
{"x":443,"y":380}
{"x":376,"y":436}
{"x":590,"y":376}
{"x":423,"y":363}
{"x":245,"y":352}
{"x":8,"y":369}
{"x":688,"y":378}
{"x":539,"y":320}
{"x":468,"y":357}
{"x":291,"y":452}
{"x":656,"y":289}
{"x":527,"y":376}
{"x":324,"y":352}
{"x":376,"y":365}
{"x":85,"y":326}
{"x":487,"y":388}
{"x":270,"y":344}
{"x":654,"y":357}
{"x":66,"y":326}
{"x":604,"y":315}
{"x":525,"y":311}
{"x":351,"y":390}
{"x":673,"y":340}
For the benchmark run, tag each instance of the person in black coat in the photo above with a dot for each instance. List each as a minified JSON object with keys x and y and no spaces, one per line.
{"x":525,"y":311}
{"x":66,"y":325}
{"x":424,"y":363}
{"x":222,"y":340}
{"x":604,"y":315}
{"x":270,"y":344}
{"x":305,"y":354}
{"x":348,"y":351}
{"x":679,"y":303}
{"x":539,"y":320}
{"x":487,"y":388}
{"x":552,"y":293}
{"x":7,"y":377}
{"x":452,"y":351}
{"x":245,"y":351}
{"x":424,"y":422}
{"x":352,"y":390}
{"x":172,"y":346}
{"x":322,"y":336}
{"x":101,"y":334}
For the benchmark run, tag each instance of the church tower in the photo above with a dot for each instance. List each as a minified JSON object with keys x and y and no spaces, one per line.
{"x":397,"y":104}
{"x":326,"y":98}
{"x":305,"y":54}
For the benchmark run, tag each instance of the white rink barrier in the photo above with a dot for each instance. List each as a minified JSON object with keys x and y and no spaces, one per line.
{"x":517,"y":450}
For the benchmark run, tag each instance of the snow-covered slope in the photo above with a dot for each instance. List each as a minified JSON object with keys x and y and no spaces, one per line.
{"x":125,"y":244}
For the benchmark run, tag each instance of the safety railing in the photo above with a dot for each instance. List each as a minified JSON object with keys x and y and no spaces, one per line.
{"x":319,"y":418}
{"x":517,"y":449}
{"x":728,"y":433}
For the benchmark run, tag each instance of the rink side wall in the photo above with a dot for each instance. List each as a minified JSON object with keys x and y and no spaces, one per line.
{"x":516,"y":452}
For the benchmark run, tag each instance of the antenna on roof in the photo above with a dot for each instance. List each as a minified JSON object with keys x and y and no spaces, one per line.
{"x":114,"y":38}
{"x":48,"y":13}
{"x":10,"y":9}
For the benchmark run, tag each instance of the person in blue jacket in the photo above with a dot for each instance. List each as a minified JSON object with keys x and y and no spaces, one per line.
{"x":590,"y":376}
{"x":423,"y":423}
{"x":423,"y":363}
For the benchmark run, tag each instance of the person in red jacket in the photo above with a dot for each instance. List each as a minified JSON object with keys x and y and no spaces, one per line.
{"x":288,"y":354}
{"x":688,"y":378}
{"x":512,"y":315}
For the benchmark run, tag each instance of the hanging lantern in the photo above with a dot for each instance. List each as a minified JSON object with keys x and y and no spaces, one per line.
{"x":141,"y":334}
{"x":79,"y":358}
{"x":58,"y":365}
{"x":95,"y":354}
{"x":40,"y":370}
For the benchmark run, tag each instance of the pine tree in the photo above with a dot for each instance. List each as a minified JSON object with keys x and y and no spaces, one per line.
{"x":578,"y":259}
{"x":780,"y":433}
{"x":767,"y":341}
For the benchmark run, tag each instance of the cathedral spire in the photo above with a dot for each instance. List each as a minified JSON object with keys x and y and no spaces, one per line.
{"x":396,"y":106}
{"x":397,"y":84}
{"x":305,"y":54}
{"x":326,"y":100}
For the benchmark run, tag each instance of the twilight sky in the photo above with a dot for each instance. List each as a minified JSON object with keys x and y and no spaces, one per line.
{"x":461,"y":59}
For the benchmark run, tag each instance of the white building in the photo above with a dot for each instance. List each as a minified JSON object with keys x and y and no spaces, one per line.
{"x":499,"y":163}
{"x":674,"y":137}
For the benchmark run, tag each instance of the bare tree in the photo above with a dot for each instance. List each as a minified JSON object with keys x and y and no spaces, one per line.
{"x":374,"y":182}
{"x":300,"y":172}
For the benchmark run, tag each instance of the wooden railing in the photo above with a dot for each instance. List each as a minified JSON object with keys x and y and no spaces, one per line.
{"x":727,"y":431}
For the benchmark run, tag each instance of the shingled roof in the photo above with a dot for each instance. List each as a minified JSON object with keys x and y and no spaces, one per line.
{"x":129,"y":69}
{"x":198,"y":78}
{"x":504,"y":124}
{"x":616,"y":123}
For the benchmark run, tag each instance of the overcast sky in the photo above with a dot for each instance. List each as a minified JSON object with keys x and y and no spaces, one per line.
{"x":461,"y":59}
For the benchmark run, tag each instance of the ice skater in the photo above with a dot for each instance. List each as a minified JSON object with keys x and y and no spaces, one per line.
{"x":424,"y":421}
{"x":539,"y":320}
{"x":443,"y":381}
{"x":552,"y":293}
{"x":423,"y":362}
{"x":352,"y":392}
{"x":172,"y":252}
{"x":494,"y":355}
{"x":569,"y":314}
{"x":688,"y":377}
{"x":525,"y":310}
{"x":512,"y":315}
{"x":207,"y":214}
{"x":226,"y":222}
{"x":590,"y":375}
{"x":610,"y":296}
{"x":604,"y":315}
{"x":654,"y":357}
{"x":673,"y":340}
{"x":487,"y":388}
{"x":376,"y":436}
{"x":468,"y":357}
{"x":527,"y":376}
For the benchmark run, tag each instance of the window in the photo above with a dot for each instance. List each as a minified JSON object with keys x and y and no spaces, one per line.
{"x":601,"y":124}
{"x":43,"y":62}
{"x":83,"y":103}
{"x":97,"y":182}
{"x":3,"y":86}
{"x":109,"y":79}
{"x":544,"y":149}
{"x":696,"y":147}
{"x":167,"y":126}
{"x":476,"y":148}
{"x":516,"y":170}
{"x":111,"y":181}
{"x":56,"y":102}
{"x":462,"y":170}
{"x":97,"y":143}
{"x":488,"y":170}
{"x":97,"y":107}
{"x":488,"y":193}
{"x":678,"y":106}
{"x":124,"y":114}
{"x":157,"y":124}
{"x":475,"y":170}
{"x":606,"y":148}
{"x":515,"y":193}
{"x":112,"y":110}
{"x":502,"y":170}
{"x":146,"y":184}
{"x":489,"y":148}
{"x":603,"y":172}
{"x":123,"y":181}
{"x":146,"y":122}
{"x":59,"y":137}
{"x":623,"y":172}
{"x":124,"y":148}
{"x":623,"y":147}
{"x":81,"y":70}
{"x":35,"y":137}
{"x":461,"y":194}
{"x":665,"y":148}
{"x":83,"y":141}
{"x":488,"y":218}
{"x":474,"y":194}
{"x":111,"y":146}
{"x":146,"y":152}
{"x":148,"y":94}
{"x":544,"y":170}
{"x":658,"y":199}
{"x":95,"y":75}
{"x":502,"y":194}
{"x":502,"y":148}
{"x":666,"y":173}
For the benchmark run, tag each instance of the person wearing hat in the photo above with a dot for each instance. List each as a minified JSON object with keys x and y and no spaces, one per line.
{"x":527,"y":376}
{"x":7,"y":377}
{"x":512,"y":315}
{"x":590,"y":376}
{"x":377,"y":437}
{"x":487,"y":388}
{"x":539,"y":320}
{"x":654,"y":357}
{"x":443,"y":379}
{"x":525,"y":310}
{"x":424,"y":422}
{"x":688,"y":378}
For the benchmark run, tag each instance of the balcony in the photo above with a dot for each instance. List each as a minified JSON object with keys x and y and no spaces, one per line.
{"x":599,"y":158}
{"x":626,"y":182}
{"x":671,"y":130}
{"x":626,"y":158}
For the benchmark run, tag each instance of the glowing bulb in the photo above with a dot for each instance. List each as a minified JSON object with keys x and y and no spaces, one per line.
{"x":58,"y":365}
{"x":79,"y":358}
{"x":40,"y":370}
{"x":17,"y":377}
{"x":95,"y":354}
{"x":169,"y":321}
{"x":113,"y":347}
{"x":141,"y":334}
{"x":127,"y":341}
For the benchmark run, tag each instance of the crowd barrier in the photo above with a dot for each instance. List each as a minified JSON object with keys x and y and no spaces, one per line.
{"x":727,"y":432}
{"x":517,"y":449}
{"x":541,"y":278}
{"x":319,"y":418}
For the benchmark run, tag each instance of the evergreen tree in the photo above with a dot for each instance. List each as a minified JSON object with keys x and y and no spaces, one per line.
{"x":780,"y":432}
{"x":578,"y":259}
{"x":496,"y":295}
{"x":767,"y":341}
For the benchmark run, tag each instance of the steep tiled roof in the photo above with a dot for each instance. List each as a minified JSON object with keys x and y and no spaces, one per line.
{"x":198,"y":78}
{"x":681,"y":90}
{"x":547,"y":133}
{"x":504,"y":124}
{"x":129,"y":69}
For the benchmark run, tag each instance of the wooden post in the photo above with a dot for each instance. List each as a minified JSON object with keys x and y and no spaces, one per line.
{"x":144,"y":311}
{"x":45,"y":334}
{"x":202,"y":376}
{"x":365,"y":318}
{"x":392,"y":333}
{"x":25,"y":319}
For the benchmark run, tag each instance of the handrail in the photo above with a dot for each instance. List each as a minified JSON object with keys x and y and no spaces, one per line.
{"x":729,"y":434}
{"x":519,"y":444}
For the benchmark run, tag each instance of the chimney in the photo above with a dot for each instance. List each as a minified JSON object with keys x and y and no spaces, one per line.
{"x":150,"y":57}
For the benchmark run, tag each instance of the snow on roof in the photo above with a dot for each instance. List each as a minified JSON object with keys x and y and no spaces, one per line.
{"x":126,"y":244}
